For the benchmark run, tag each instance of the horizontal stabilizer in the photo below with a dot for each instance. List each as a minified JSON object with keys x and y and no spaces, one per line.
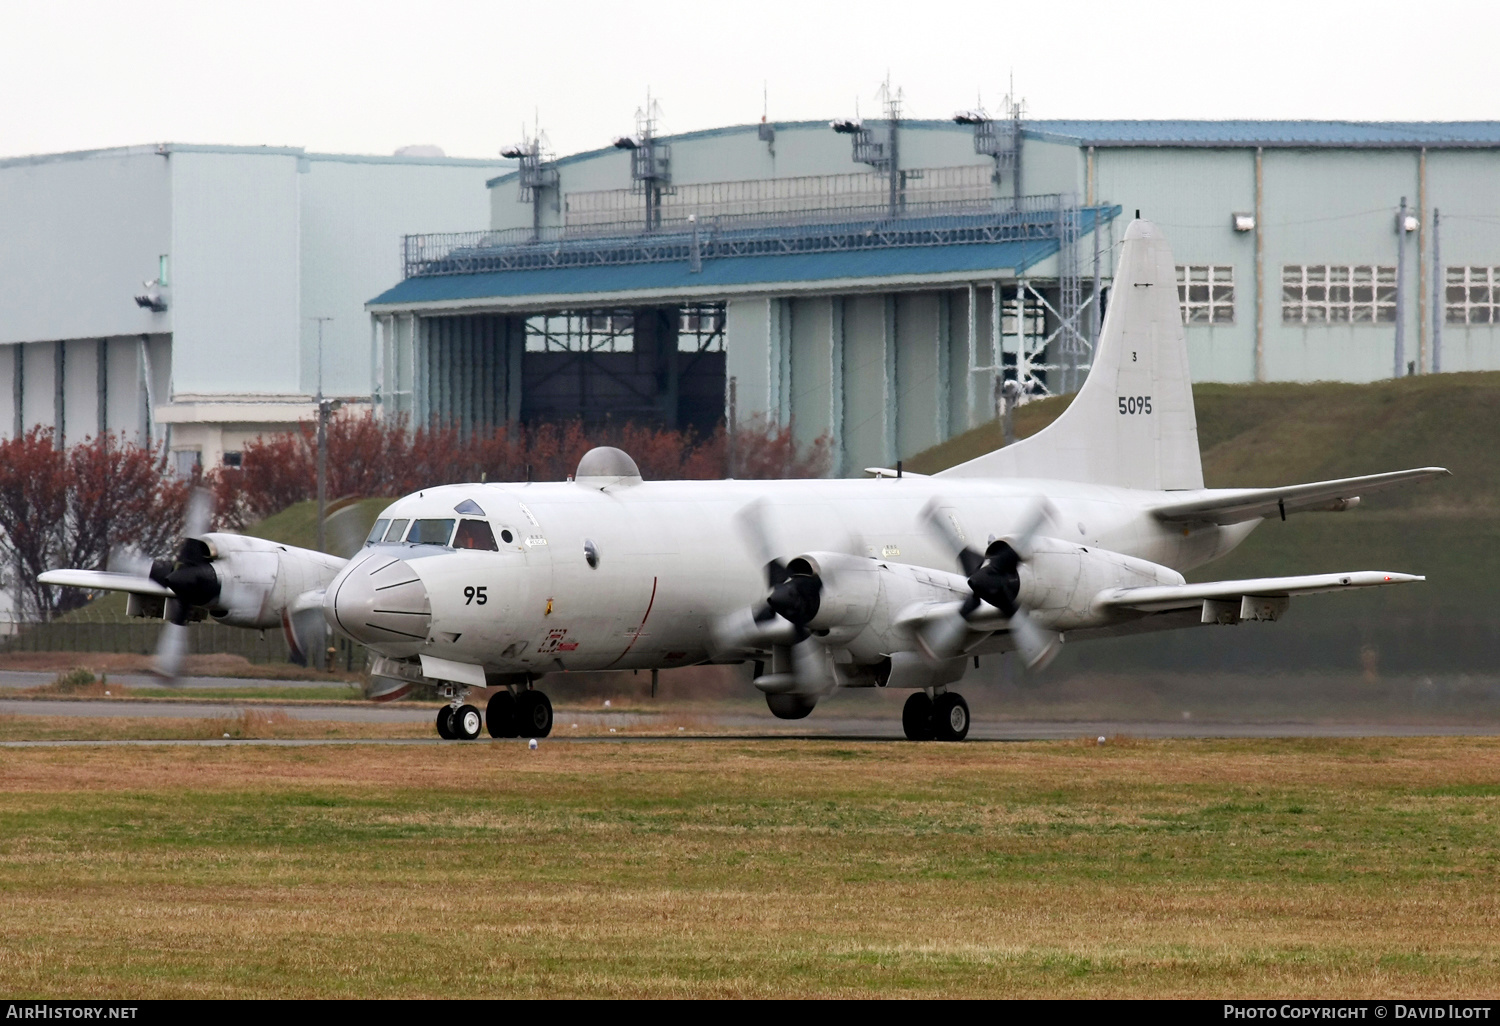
{"x":1159,"y":598}
{"x":1235,"y":505}
{"x":103,"y":580}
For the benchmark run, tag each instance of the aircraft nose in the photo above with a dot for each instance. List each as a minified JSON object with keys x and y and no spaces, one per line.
{"x":381,"y":602}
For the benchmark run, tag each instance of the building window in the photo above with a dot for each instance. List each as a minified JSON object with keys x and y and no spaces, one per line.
{"x":234,"y":459}
{"x":187,"y":463}
{"x":1338,"y":294}
{"x":1472,"y":295}
{"x":700,"y":329}
{"x":1206,"y":292}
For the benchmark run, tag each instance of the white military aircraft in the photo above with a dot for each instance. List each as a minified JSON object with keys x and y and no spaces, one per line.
{"x":1080,"y":531}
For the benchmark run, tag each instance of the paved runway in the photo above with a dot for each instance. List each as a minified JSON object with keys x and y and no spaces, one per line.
{"x":738,"y":724}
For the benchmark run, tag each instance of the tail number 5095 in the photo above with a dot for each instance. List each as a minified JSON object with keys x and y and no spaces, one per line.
{"x":1130,"y":404}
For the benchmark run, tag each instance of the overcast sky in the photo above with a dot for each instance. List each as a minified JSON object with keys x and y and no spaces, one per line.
{"x":369,"y":77}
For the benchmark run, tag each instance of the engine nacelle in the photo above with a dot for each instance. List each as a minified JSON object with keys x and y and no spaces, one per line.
{"x":260,"y":580}
{"x":1060,"y":579}
{"x":862,"y":598}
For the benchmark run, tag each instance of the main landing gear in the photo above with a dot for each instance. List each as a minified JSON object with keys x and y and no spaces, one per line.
{"x":523,"y":714}
{"x":941,"y":718}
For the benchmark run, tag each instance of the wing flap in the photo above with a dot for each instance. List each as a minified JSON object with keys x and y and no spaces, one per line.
{"x":1160,"y":598}
{"x":1233,"y":505}
{"x":103,"y":580}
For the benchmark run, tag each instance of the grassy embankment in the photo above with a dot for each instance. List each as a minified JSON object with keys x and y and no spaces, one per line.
{"x":1318,"y":868}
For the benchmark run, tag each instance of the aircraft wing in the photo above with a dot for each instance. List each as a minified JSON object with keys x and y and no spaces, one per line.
{"x":103,"y":580}
{"x":1233,"y":505}
{"x":1160,"y":598}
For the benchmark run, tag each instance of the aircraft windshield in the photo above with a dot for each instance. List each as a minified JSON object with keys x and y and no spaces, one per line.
{"x":475,"y":534}
{"x":397,"y":531}
{"x":377,"y":532}
{"x":430,"y":532}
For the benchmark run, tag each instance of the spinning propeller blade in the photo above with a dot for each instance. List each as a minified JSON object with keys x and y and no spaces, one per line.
{"x":993,"y":577}
{"x":191,"y":579}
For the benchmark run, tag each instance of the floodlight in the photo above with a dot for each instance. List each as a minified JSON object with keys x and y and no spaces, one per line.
{"x":1244,"y":222}
{"x":1411,"y":224}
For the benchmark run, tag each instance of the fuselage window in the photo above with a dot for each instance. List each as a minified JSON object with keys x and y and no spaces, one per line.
{"x":506,"y":536}
{"x":430,"y":532}
{"x":475,"y":534}
{"x":397,"y":531}
{"x":377,"y":532}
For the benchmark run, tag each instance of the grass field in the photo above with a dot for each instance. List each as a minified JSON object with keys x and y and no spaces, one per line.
{"x":1317,"y":868}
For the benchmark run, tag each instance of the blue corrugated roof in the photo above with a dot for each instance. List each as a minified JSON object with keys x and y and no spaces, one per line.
{"x":728,"y":272}
{"x":1358,"y":134}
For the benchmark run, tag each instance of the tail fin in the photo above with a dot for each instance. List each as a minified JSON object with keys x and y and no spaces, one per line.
{"x":1132,"y":423}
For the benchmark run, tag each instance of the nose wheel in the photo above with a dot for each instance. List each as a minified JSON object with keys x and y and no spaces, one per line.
{"x":526,"y":714}
{"x":465,"y":723}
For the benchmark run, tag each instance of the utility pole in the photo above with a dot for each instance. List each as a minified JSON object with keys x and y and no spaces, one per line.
{"x":326,"y":407}
{"x":1400,"y":290}
{"x":1439,"y":291}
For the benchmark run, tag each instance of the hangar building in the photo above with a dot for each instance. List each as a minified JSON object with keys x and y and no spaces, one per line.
{"x":876,"y":281}
{"x":234,"y":252}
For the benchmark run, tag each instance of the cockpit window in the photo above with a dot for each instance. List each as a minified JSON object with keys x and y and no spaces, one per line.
{"x":377,"y":532}
{"x":469,"y":506}
{"x":475,"y":534}
{"x":430,"y":532}
{"x":397,"y":531}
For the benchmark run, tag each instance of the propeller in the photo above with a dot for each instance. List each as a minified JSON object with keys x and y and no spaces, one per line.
{"x":794,"y":592}
{"x":793,"y":596}
{"x":191,"y":579}
{"x":993,"y":577}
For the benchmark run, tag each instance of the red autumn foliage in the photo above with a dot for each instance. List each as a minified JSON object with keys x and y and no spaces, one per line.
{"x":368,"y":457}
{"x":69,"y":508}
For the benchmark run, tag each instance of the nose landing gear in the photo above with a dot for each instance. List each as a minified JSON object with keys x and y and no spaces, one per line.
{"x":525,"y":713}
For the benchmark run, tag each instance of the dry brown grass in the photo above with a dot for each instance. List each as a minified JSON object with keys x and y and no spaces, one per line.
{"x":213,"y":665}
{"x":251,"y":723}
{"x":1206,"y":868}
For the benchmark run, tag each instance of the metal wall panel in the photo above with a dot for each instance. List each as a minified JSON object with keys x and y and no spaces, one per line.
{"x":235,"y":275}
{"x":352,"y":216}
{"x":81,"y":389}
{"x":1324,"y":207}
{"x":1193,"y":195}
{"x":865,"y":382}
{"x":812,"y":367}
{"x":1464,"y":187}
{"x":917,"y":364}
{"x":746,"y":341}
{"x":38,"y":405}
{"x":81,"y":235}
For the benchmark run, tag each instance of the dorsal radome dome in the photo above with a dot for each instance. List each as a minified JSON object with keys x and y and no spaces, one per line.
{"x":606,"y":464}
